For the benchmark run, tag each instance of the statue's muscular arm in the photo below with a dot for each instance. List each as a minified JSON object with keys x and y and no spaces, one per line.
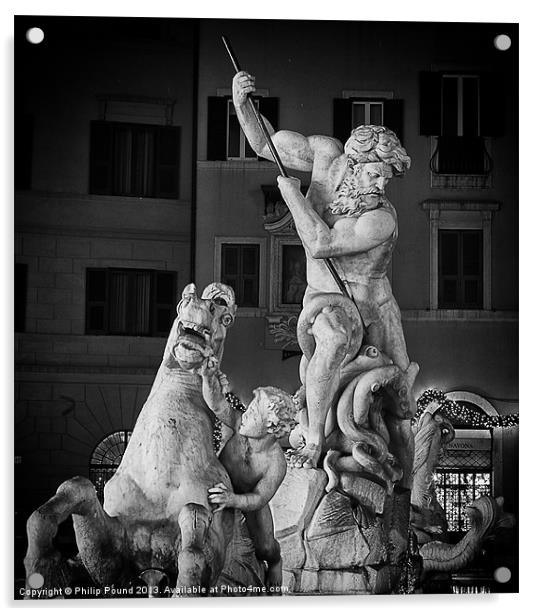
{"x":295,"y":150}
{"x":348,"y":236}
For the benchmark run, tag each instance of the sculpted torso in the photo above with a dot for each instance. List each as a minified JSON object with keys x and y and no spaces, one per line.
{"x":364,"y":271}
{"x":246,"y":466}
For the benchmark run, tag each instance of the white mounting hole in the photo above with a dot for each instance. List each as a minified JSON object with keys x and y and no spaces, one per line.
{"x":502,"y":42}
{"x":502,"y":575}
{"x":35,"y":35}
{"x":36,"y":580}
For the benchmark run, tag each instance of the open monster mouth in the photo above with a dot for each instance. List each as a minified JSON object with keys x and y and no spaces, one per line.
{"x":193,"y":341}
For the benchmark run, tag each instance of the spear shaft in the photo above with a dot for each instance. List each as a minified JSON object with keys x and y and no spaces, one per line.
{"x":330,"y":265}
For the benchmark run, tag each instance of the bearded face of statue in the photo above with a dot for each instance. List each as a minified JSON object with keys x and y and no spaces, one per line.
{"x":362,"y":187}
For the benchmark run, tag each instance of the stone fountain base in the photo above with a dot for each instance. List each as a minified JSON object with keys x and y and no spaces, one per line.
{"x":340,"y":542}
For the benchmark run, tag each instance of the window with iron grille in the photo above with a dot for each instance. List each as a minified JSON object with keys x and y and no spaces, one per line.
{"x":460,"y":110}
{"x":240,"y":270}
{"x":463,"y":475}
{"x":130,"y":301}
{"x":106,"y":458}
{"x":459,"y":487}
{"x":460,"y":273}
{"x":134,"y":160}
{"x":225,"y":139}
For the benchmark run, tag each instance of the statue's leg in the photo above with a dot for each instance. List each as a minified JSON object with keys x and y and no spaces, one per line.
{"x":331,"y":334}
{"x":194,"y":568}
{"x":261,"y":527}
{"x":388,"y":336}
{"x":99,"y":537}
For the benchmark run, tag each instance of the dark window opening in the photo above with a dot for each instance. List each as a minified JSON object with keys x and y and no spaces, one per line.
{"x":21,"y":285}
{"x":130,"y":302}
{"x":134,"y":160}
{"x":460,"y":280}
{"x":240,"y":270}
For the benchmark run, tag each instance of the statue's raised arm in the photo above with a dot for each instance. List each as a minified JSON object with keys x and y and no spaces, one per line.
{"x":295,"y":150}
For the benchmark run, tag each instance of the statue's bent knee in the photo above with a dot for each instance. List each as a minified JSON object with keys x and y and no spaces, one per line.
{"x":332,"y":333}
{"x":194,"y":521}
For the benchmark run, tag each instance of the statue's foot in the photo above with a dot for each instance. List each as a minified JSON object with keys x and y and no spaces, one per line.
{"x":304,"y":457}
{"x":273,"y":579}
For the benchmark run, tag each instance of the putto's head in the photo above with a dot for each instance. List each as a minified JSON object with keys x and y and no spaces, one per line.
{"x":271,"y":411}
{"x":377,"y":144}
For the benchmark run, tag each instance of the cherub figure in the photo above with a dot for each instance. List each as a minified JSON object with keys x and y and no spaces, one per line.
{"x":254,"y":460}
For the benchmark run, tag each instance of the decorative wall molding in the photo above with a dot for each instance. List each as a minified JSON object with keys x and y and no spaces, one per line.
{"x":247,"y":164}
{"x":135,"y":109}
{"x":460,"y":315}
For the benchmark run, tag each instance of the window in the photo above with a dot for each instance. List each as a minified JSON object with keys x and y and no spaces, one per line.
{"x":456,"y":489}
{"x":460,"y":269}
{"x":460,"y":105}
{"x":130,"y":302}
{"x":367,"y":112}
{"x":460,"y":110}
{"x":359,"y":110}
{"x":225,"y":139}
{"x":135,"y":160}
{"x":460,"y":254}
{"x":21,"y":281}
{"x":106,"y":458}
{"x":464,"y":473}
{"x":237,"y":144}
{"x":240,"y":270}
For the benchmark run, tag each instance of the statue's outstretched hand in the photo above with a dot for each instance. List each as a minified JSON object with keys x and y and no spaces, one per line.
{"x":221,"y":496}
{"x":243,"y":84}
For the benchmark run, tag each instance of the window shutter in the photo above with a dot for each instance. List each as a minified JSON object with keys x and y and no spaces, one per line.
{"x":96,"y":301}
{"x":165,"y":294}
{"x":492,"y":98}
{"x":430,"y":103}
{"x":268,"y":106}
{"x":217,"y":128}
{"x":168,"y":162}
{"x":101,"y":158}
{"x":342,"y":119}
{"x":393,"y":116}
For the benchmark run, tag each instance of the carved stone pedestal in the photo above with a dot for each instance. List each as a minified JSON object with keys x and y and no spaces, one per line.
{"x":351,"y":541}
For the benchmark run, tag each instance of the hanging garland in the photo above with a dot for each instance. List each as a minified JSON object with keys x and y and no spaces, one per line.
{"x":455,"y":411}
{"x":236,"y":405}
